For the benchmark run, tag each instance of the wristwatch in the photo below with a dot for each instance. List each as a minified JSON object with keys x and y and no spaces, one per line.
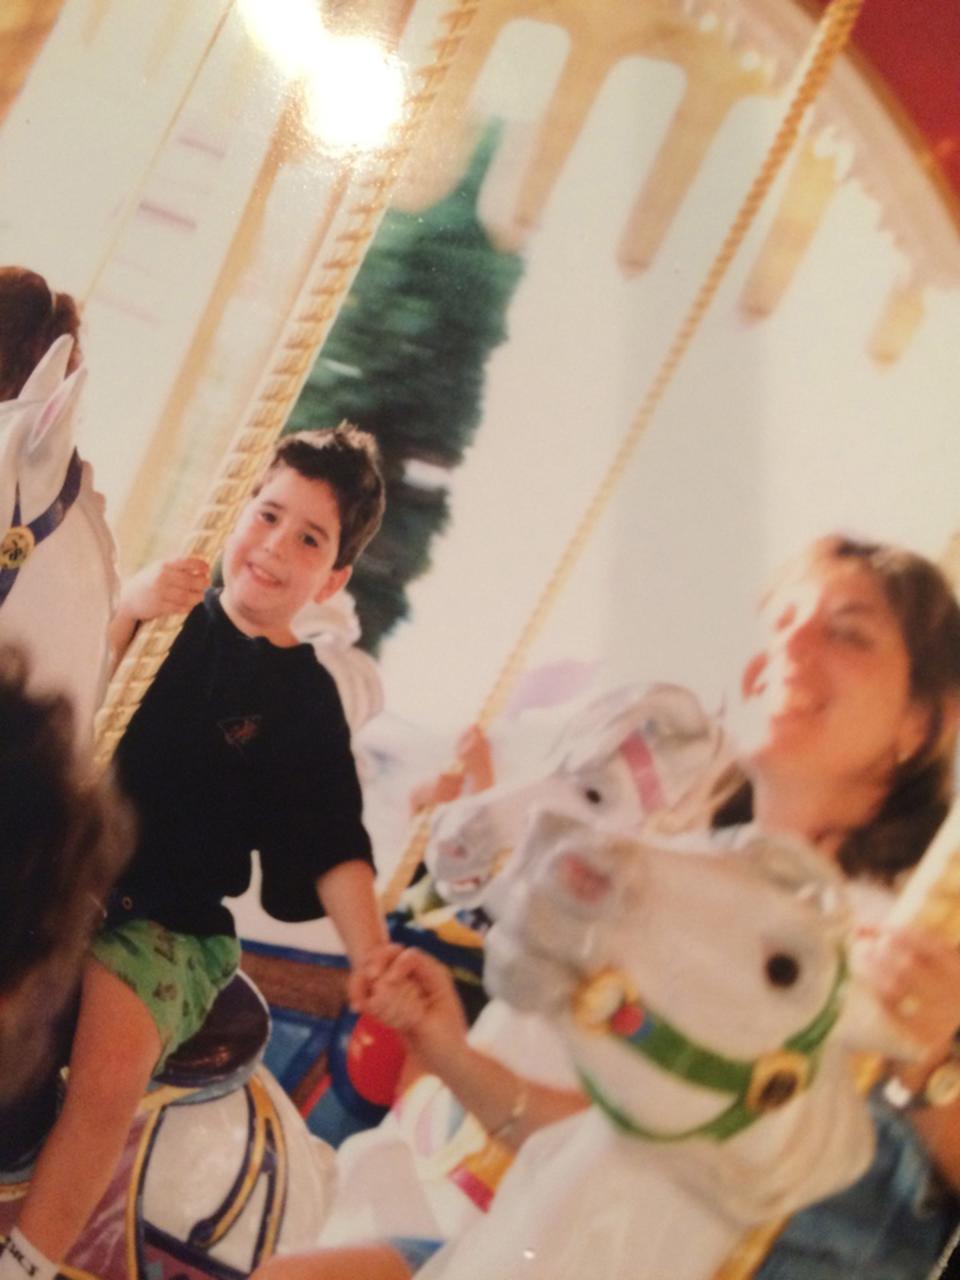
{"x":941,"y":1088}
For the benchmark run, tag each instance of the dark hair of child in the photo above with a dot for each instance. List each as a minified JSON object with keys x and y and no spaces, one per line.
{"x":64,"y":839}
{"x":32,"y":317}
{"x":348,"y":460}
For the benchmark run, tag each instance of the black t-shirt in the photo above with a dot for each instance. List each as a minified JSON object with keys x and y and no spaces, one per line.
{"x":238,"y":745}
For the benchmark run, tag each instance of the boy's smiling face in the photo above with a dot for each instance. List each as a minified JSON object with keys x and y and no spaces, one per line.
{"x":281,"y":554}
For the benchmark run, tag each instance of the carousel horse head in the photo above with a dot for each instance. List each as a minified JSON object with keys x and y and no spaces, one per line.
{"x":629,"y":755}
{"x":699,"y":991}
{"x":57,"y":577}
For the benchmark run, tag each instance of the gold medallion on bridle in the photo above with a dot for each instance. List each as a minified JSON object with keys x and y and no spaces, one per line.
{"x":16,"y":546}
{"x":599,"y":997}
{"x":777,"y":1077}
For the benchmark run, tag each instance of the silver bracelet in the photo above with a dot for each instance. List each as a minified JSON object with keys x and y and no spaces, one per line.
{"x":519,"y":1106}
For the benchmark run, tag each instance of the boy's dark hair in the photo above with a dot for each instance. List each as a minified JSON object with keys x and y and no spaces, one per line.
{"x":32,"y":317}
{"x":348,"y":460}
{"x":64,"y":842}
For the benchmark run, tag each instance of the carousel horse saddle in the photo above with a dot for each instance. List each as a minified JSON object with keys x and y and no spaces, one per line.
{"x":225,"y":1051}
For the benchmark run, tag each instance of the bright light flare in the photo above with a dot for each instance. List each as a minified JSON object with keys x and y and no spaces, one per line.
{"x":354,"y":90}
{"x":286,"y":30}
{"x":354,"y":93}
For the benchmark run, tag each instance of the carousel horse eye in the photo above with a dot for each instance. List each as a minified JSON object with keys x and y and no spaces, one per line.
{"x":783,"y":969}
{"x":593,"y":795}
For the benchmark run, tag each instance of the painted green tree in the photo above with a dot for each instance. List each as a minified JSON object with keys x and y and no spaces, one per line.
{"x":406,"y":361}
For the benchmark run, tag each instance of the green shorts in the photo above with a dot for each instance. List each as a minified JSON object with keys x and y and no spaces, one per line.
{"x":177,"y":976}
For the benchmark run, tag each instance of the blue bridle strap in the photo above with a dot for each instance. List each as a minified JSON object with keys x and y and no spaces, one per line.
{"x":20,"y":539}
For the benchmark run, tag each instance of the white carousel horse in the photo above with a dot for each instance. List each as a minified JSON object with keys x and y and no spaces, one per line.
{"x":699,"y":993}
{"x":57,"y":576}
{"x":629,"y":755}
{"x":221,"y":1170}
{"x":332,"y":628}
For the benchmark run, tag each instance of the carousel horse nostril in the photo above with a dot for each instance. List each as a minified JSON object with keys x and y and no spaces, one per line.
{"x":581,"y":879}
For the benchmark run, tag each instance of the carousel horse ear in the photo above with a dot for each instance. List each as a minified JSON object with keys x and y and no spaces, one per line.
{"x":799,"y":869}
{"x":55,"y":396}
{"x":50,"y":371}
{"x":37,"y":431}
{"x":659,"y":711}
{"x":678,"y":710}
{"x":49,"y":438}
{"x":596,"y":731}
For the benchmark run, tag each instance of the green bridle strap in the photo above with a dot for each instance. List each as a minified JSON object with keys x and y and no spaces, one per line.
{"x":810,"y":1039}
{"x":725,"y":1125}
{"x":757,"y":1085}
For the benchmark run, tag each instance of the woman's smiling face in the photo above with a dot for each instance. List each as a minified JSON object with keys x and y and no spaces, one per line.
{"x":828,"y":693}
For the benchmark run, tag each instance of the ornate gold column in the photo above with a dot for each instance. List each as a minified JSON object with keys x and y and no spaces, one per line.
{"x":812,"y":183}
{"x":24,"y":27}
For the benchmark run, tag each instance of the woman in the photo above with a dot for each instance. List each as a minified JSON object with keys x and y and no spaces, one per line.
{"x":845,"y":725}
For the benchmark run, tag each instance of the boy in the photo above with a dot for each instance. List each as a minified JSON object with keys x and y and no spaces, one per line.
{"x":240,"y":744}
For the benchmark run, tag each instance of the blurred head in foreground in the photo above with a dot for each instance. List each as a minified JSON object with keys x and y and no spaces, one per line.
{"x":63,"y":839}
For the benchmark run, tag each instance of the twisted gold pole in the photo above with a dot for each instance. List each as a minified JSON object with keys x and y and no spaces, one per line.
{"x":828,"y":43}
{"x":311,"y":319}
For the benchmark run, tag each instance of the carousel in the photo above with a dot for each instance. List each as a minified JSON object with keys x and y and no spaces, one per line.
{"x":638,"y":298}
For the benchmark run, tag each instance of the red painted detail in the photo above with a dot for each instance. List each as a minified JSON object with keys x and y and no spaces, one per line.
{"x":163,"y":213}
{"x":375,"y":1058}
{"x":628,"y":1019}
{"x":914,"y":49}
{"x":472,"y":1187}
{"x":314,"y":1096}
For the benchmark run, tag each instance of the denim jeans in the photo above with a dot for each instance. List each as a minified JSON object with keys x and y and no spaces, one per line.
{"x":892,"y":1224}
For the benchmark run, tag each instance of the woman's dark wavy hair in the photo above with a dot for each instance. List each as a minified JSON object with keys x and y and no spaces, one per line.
{"x":64,"y":840}
{"x":32,"y":317}
{"x":921,"y":787}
